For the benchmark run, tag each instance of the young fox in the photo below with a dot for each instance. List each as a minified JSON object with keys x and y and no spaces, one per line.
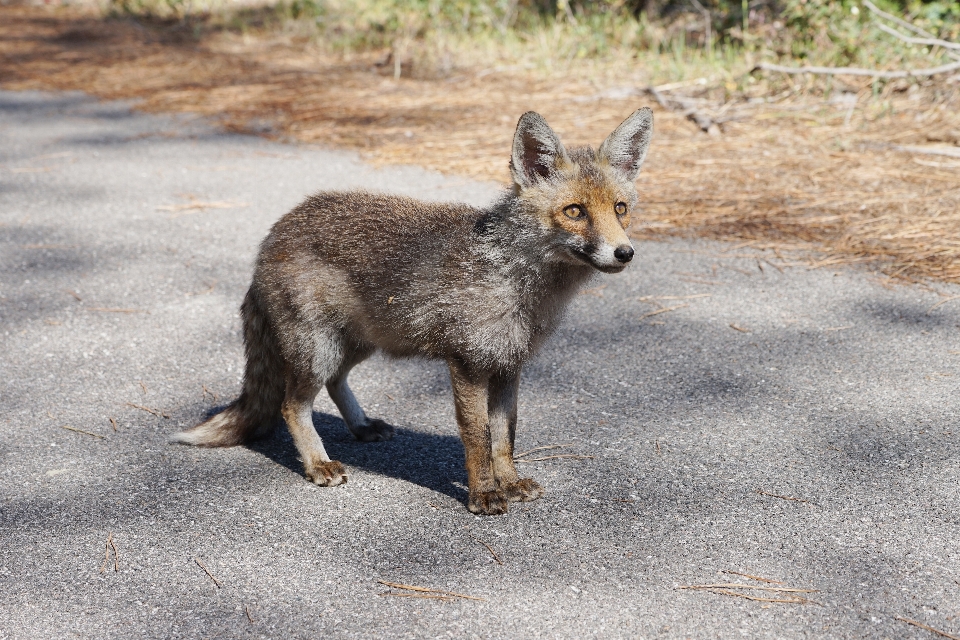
{"x":347,"y":273}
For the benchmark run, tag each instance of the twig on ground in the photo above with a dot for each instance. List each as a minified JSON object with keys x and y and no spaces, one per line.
{"x":207,"y":392}
{"x":142,"y":386}
{"x":429,"y":596}
{"x":116,"y":553}
{"x":664,"y":310}
{"x":114,"y":310}
{"x":95,"y":435}
{"x":725,"y":592}
{"x":207,"y":571}
{"x":246,"y":609}
{"x":734,"y":585}
{"x":689,"y":110}
{"x":691,"y":297}
{"x":658,"y":448}
{"x":75,"y":295}
{"x":846,"y":326}
{"x":747,"y":575}
{"x":572,"y":456}
{"x":489,"y":548}
{"x":928,"y":628}
{"x":853,"y":71}
{"x":549,"y":446}
{"x":113,"y":423}
{"x":410,"y":587}
{"x":593,"y":291}
{"x":944,"y":301}
{"x":774,"y":495}
{"x":949,"y":152}
{"x":736,"y":327}
{"x":184,"y":209}
{"x":106,"y":554}
{"x":156,"y":412}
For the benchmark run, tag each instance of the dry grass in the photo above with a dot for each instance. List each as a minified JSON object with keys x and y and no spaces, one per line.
{"x":849,"y":183}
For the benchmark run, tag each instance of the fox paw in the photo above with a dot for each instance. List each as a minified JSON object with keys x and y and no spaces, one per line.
{"x":488,"y":503}
{"x":523,"y":490}
{"x":374,"y":431}
{"x":327,"y":474}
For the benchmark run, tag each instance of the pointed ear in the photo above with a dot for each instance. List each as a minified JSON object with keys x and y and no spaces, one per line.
{"x":537,"y":152}
{"x":627,"y":146}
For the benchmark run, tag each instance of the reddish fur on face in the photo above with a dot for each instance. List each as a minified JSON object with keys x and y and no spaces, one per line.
{"x":592,"y":184}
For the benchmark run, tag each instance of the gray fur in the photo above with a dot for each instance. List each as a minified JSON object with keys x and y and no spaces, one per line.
{"x":626,"y":148}
{"x":348,"y":273}
{"x":537,"y":151}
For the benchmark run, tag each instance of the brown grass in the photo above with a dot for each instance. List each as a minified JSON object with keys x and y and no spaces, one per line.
{"x":797,"y":173}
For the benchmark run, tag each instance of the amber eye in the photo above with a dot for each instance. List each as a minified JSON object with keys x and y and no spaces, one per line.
{"x":620,"y":208}
{"x":575,"y":211}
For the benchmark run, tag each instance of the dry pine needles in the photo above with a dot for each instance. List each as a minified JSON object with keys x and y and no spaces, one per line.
{"x":851,"y":181}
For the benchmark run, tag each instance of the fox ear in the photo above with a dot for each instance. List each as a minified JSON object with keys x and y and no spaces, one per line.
{"x":537,"y":151}
{"x":627,"y":146}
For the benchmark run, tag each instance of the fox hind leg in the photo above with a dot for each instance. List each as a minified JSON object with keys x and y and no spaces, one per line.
{"x":363,"y":428}
{"x":297,"y":410}
{"x":502,"y":411}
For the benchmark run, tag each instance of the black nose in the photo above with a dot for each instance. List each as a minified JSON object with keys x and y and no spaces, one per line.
{"x":623,"y":253}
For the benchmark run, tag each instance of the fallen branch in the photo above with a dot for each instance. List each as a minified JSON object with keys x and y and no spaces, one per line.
{"x":950,"y":152}
{"x":106,"y":556}
{"x":207,"y":571}
{"x":747,"y":575}
{"x":489,"y":548}
{"x":95,"y":435}
{"x":156,"y":412}
{"x":944,"y":301}
{"x":725,"y":592}
{"x":663,"y":310}
{"x":928,"y":628}
{"x":935,"y":42}
{"x":571,"y":456}
{"x":853,"y":71}
{"x":689,"y":110}
{"x":903,"y":23}
{"x":549,"y":446}
{"x":430,"y":596}
{"x":774,"y":495}
{"x":734,"y":585}
{"x":409,"y":587}
{"x":115,"y":310}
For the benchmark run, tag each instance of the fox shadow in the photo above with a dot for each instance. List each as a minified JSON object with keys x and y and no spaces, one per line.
{"x":433,"y":461}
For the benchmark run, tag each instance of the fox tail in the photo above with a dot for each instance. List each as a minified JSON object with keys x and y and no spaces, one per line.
{"x":255,"y":414}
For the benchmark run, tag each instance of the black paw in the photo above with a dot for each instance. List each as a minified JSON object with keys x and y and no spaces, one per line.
{"x":374,"y":431}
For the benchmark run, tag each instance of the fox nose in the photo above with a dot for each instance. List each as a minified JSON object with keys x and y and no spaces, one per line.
{"x":623,"y":253}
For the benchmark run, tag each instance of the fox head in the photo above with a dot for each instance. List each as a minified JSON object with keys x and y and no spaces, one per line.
{"x":583,"y":198}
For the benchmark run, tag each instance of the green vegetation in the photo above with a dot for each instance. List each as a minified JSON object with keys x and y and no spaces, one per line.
{"x":673,"y":38}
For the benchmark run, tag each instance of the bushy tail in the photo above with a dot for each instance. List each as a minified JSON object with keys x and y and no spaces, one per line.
{"x":257,"y":411}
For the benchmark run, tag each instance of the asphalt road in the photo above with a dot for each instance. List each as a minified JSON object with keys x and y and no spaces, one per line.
{"x":126,"y":244}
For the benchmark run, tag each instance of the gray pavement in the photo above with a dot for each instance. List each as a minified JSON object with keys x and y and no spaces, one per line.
{"x":839,"y":393}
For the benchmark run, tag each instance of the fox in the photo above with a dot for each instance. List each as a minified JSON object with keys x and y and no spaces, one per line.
{"x":346,"y":274}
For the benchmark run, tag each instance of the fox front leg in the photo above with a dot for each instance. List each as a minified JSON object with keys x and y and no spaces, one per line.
{"x":470,"y":399}
{"x":502,"y":411}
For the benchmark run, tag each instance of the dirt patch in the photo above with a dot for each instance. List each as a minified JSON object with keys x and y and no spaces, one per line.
{"x":861,"y":179}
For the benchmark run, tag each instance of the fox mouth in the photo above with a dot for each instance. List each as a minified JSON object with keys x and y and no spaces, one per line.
{"x":583,"y":256}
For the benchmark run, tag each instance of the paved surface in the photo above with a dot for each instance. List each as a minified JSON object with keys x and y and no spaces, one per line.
{"x":840,"y":393}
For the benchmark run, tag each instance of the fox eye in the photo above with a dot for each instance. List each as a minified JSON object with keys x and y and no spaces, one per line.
{"x":574,"y":211}
{"x":620,"y":208}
